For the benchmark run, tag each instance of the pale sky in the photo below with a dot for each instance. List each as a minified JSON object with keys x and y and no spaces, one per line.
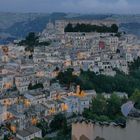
{"x":73,"y":6}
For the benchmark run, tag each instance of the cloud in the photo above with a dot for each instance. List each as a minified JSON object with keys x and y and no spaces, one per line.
{"x":84,"y":6}
{"x":97,"y":6}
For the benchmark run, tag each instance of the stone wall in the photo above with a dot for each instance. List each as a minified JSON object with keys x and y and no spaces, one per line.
{"x":91,"y":131}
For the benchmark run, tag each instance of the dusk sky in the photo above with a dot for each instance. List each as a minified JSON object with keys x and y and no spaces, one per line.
{"x":77,"y":6}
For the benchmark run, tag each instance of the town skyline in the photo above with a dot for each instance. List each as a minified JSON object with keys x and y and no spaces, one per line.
{"x":69,"y":69}
{"x":73,"y":71}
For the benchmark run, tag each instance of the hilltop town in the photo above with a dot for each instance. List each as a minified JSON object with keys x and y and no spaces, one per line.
{"x":52,"y":78}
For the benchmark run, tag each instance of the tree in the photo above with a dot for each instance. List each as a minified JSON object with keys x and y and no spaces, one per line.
{"x":67,"y":77}
{"x":136,"y":98}
{"x":99,"y":105}
{"x":6,"y":137}
{"x":117,"y":51}
{"x":91,"y":28}
{"x":43,"y":125}
{"x":56,"y":69}
{"x":98,"y":138}
{"x":134,"y":65}
{"x":30,"y":86}
{"x":59,"y":122}
{"x":114,"y":105}
{"x":36,"y":86}
{"x":114,"y":28}
{"x":101,"y":83}
{"x":69,"y":28}
{"x":31,"y":39}
{"x":103,"y":109}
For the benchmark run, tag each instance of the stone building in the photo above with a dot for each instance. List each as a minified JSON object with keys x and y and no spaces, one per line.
{"x":85,"y":130}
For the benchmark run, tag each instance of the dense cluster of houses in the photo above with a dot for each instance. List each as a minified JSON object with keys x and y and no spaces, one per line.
{"x":23,"y":102}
